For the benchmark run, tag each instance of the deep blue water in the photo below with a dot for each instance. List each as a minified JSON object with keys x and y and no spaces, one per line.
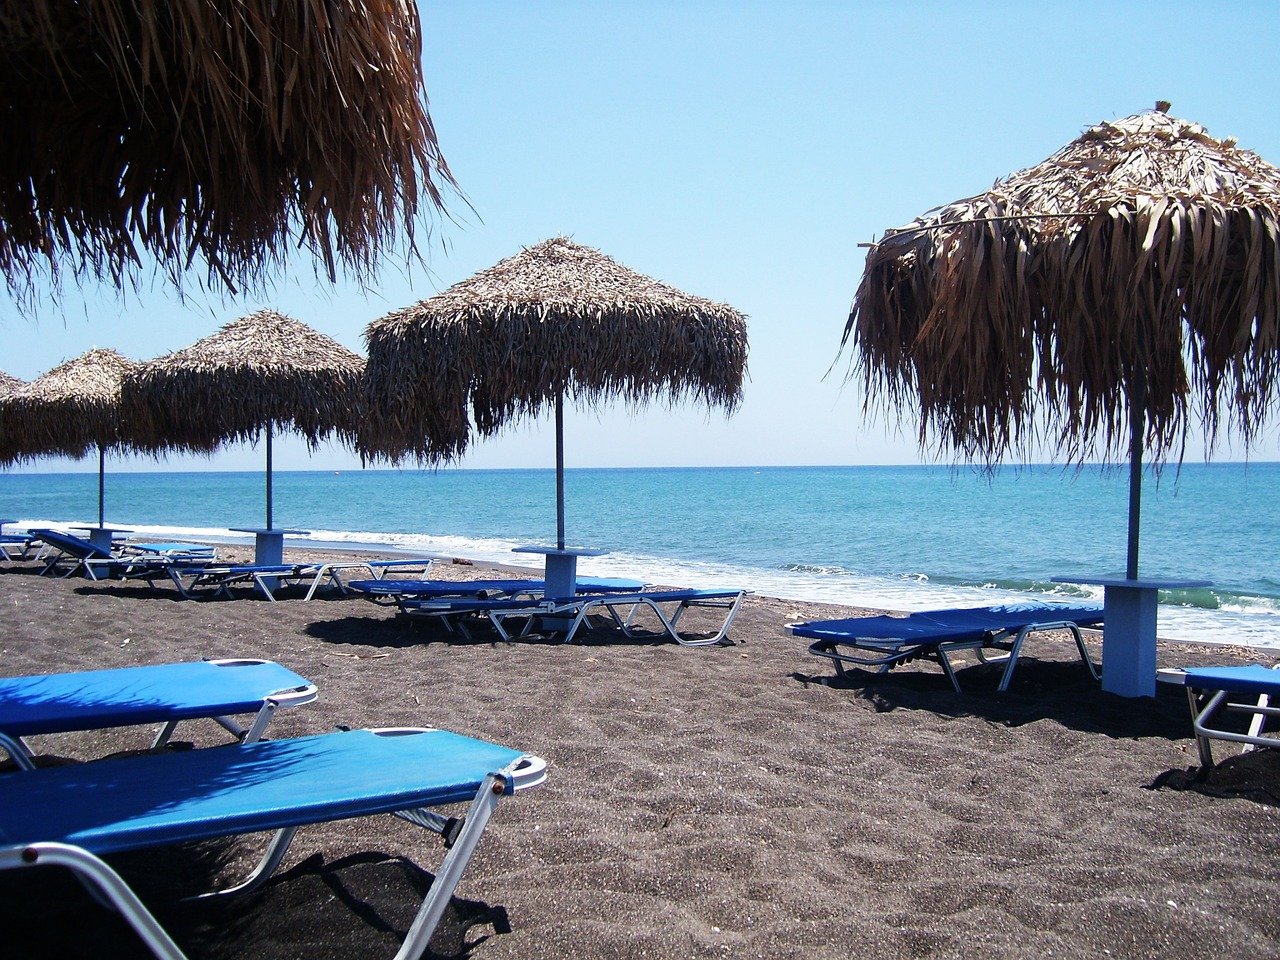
{"x":896,"y":537}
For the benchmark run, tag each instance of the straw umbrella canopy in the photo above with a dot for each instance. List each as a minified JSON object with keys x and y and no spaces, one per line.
{"x":557,"y":319}
{"x":9,"y":384}
{"x":67,"y":412}
{"x":224,"y":132}
{"x":1103,"y":299}
{"x":255,"y":377}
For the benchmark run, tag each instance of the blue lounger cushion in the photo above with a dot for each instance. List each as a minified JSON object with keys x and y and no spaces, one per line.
{"x":70,"y":544}
{"x":1252,"y":678}
{"x":68,"y":816}
{"x":889,"y":641}
{"x":96,"y":699}
{"x":135,"y":802}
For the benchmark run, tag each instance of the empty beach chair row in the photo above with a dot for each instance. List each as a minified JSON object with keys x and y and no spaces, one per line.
{"x":567,"y":615}
{"x":267,"y":579}
{"x":884,"y":642}
{"x":70,"y":816}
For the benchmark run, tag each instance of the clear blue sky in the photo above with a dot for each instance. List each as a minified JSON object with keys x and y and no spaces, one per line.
{"x":740,"y":151}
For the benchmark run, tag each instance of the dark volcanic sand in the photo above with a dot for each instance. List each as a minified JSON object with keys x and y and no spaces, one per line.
{"x":703,"y":802}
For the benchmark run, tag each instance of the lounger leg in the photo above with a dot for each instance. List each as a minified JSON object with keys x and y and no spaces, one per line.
{"x":259,"y":725}
{"x":945,"y":662}
{"x":451,"y":868}
{"x":18,"y":750}
{"x":1259,"y":720}
{"x":1084,"y":651}
{"x":165,"y":733}
{"x":261,"y":584}
{"x":271,"y":859}
{"x":1199,"y":715}
{"x":102,"y":878}
{"x":1013,"y":659}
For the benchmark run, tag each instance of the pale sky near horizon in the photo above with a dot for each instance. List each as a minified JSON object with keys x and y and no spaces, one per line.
{"x":740,"y":151}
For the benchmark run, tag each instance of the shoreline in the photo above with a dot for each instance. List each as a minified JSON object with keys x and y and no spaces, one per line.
{"x":318,"y":551}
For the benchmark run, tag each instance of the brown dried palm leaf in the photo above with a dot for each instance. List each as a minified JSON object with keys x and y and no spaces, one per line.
{"x":263,"y":370}
{"x":1143,"y":249}
{"x":556,"y":318}
{"x":224,"y":132}
{"x":73,"y":408}
{"x":9,"y":384}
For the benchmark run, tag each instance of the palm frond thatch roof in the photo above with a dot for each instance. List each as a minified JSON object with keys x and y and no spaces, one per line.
{"x":67,"y":411}
{"x":8,"y":384}
{"x":1145,"y":250}
{"x":558,"y":318}
{"x":222,"y":132}
{"x":265,"y":370}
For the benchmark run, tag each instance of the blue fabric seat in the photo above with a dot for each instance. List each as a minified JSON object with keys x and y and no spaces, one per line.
{"x":1214,"y":692}
{"x":165,"y":694}
{"x":885,"y":641}
{"x":72,"y":815}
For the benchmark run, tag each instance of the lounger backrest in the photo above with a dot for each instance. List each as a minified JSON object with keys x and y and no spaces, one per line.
{"x":76,"y":546}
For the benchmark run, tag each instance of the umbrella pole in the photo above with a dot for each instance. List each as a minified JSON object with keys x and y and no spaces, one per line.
{"x":1137,"y":421}
{"x":102,"y":498}
{"x":268,"y":429}
{"x":560,"y":470}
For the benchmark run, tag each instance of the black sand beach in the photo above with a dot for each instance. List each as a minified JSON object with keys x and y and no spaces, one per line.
{"x":729,"y":801}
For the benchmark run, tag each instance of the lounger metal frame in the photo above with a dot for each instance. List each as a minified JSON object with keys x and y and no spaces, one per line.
{"x":461,"y":836}
{"x":1208,"y":703}
{"x":896,"y":651}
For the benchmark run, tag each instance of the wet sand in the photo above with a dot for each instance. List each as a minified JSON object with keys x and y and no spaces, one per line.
{"x":727,"y":801}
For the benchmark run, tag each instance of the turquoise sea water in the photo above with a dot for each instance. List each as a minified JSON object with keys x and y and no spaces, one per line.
{"x":902,"y":538}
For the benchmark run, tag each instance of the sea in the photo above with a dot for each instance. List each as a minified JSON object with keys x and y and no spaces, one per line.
{"x":898,"y":538}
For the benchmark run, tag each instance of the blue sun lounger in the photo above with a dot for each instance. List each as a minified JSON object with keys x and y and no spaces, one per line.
{"x":70,"y":816}
{"x":397,"y":592}
{"x":885,"y":641}
{"x":218,"y":580}
{"x":164,"y":694}
{"x":568,"y":614}
{"x":1215,"y":691}
{"x":66,"y":555}
{"x":17,"y":546}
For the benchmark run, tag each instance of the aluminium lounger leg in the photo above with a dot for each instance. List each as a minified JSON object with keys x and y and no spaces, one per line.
{"x":271,"y":859}
{"x":451,"y":868}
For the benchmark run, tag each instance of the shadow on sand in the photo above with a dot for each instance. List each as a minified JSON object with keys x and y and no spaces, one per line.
{"x":1040,"y":690}
{"x":357,"y":906}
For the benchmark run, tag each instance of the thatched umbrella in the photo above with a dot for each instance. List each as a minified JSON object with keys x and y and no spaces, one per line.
{"x":224,"y":131}
{"x":556,"y":319}
{"x":1110,"y":295}
{"x":257,"y":375}
{"x":9,"y":384}
{"x":66,"y":412}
